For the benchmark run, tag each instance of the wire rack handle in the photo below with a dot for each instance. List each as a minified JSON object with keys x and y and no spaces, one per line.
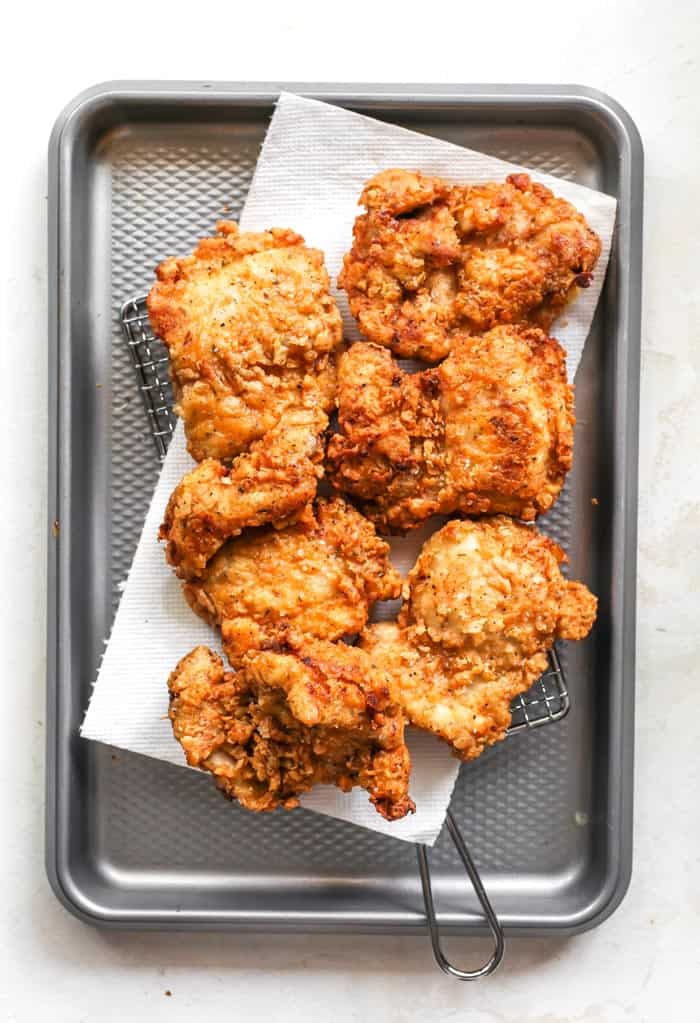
{"x":491,"y":918}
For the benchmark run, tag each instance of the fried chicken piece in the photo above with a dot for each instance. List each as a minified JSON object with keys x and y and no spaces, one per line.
{"x":252,"y":331}
{"x":430,"y":260}
{"x":273,"y":483}
{"x":305,"y":713}
{"x":484,"y":602}
{"x":320,"y":575}
{"x":488,"y":430}
{"x":466,"y":706}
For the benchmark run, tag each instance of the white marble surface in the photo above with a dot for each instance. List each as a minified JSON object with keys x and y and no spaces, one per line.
{"x":642,"y":964}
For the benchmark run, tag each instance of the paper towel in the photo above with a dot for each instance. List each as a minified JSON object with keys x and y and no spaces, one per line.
{"x":312,"y":168}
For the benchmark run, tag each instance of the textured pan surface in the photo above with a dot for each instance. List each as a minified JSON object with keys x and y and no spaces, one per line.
{"x":138,"y":842}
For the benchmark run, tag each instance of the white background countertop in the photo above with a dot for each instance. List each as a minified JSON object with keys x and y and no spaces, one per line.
{"x":642,"y":964}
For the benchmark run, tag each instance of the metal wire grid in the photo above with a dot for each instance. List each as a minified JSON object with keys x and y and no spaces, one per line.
{"x":544,"y":703}
{"x":150,"y":358}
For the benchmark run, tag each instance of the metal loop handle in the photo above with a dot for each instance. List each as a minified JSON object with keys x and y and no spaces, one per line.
{"x":491,"y":918}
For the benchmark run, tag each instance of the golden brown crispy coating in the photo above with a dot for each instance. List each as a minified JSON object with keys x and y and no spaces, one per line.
{"x":484,"y":602}
{"x":305,"y":713}
{"x":252,"y":332}
{"x":320,"y":575}
{"x":430,"y":259}
{"x":488,"y":430}
{"x":272,"y":483}
{"x":494,"y":585}
{"x":443,"y":693}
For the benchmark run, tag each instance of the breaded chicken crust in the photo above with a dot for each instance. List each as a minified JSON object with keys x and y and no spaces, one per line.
{"x":305,"y":713}
{"x":272,"y":483}
{"x":484,"y":603}
{"x":252,"y":331}
{"x":320,"y":575}
{"x":430,"y":260}
{"x":489,"y":430}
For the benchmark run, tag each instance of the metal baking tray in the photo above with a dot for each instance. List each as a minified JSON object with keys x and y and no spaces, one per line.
{"x":139,"y":171}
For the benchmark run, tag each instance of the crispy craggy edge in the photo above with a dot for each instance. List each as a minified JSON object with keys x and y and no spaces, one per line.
{"x":375,"y":416}
{"x":164,"y":311}
{"x":341,"y":675}
{"x":273,"y":483}
{"x":429,"y":661}
{"x":395,"y":194}
{"x":416,"y":651}
{"x":342,"y":533}
{"x":318,"y":690}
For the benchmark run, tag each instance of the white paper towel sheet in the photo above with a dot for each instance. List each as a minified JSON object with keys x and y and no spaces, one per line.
{"x":312,"y":168}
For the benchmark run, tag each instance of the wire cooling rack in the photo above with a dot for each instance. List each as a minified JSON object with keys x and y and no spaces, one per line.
{"x":545,"y":702}
{"x":150,"y":358}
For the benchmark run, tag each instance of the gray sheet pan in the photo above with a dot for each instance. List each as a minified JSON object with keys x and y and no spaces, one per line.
{"x":139,"y":171}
